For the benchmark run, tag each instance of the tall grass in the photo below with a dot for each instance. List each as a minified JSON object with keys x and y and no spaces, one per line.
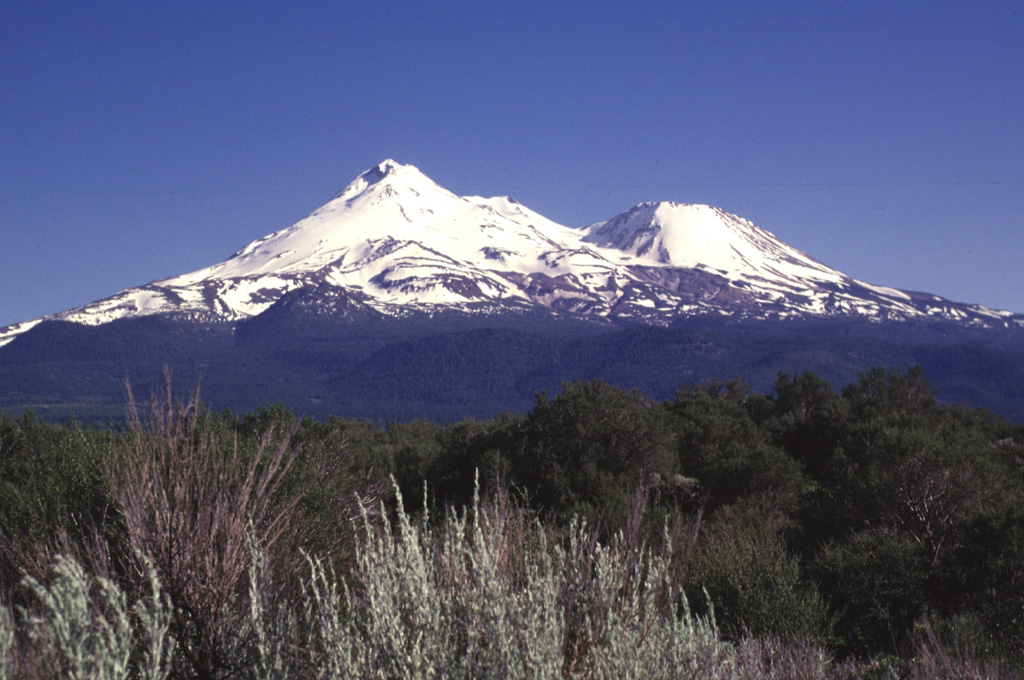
{"x":484,"y":593}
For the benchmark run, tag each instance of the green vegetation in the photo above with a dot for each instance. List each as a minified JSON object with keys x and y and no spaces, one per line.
{"x":867,"y":533}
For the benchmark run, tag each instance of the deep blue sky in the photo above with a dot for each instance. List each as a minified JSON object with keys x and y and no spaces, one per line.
{"x":141,"y":140}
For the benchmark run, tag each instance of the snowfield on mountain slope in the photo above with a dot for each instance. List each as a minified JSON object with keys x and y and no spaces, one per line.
{"x":406,"y":243}
{"x":398,"y":236}
{"x":394,"y":203}
{"x":685,"y":235}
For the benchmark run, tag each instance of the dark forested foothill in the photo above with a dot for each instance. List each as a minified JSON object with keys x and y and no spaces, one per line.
{"x":874,"y":523}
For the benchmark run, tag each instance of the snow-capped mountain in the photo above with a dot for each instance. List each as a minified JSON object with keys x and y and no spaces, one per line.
{"x":394,"y":241}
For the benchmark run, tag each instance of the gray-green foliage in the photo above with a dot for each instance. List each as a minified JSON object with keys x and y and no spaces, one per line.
{"x":83,"y":627}
{"x":482,"y":594}
{"x":154,"y":617}
{"x":270,"y":624}
{"x":6,"y":642}
{"x":638,"y":638}
{"x":480,"y":598}
{"x":334,"y":654}
{"x":88,"y":639}
{"x":427,"y":604}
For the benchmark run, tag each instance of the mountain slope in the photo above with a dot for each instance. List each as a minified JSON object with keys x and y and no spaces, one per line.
{"x":393,"y":243}
{"x":398,"y":299}
{"x":455,"y":365}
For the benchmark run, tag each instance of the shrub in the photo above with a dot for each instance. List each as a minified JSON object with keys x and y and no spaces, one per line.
{"x":82,"y":628}
{"x":6,"y":643}
{"x":190,"y":506}
{"x":743,"y":566}
{"x":485,"y":596}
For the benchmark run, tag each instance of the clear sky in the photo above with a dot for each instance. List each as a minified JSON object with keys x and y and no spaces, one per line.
{"x":141,"y":140}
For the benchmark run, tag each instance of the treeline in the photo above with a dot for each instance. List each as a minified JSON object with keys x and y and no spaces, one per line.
{"x":874,"y":527}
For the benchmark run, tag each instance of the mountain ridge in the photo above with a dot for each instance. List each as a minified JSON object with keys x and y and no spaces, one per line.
{"x":394,"y":241}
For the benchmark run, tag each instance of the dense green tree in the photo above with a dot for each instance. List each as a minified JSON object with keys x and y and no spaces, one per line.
{"x":890,"y":395}
{"x":587,"y":451}
{"x":983,"y":576}
{"x":805,"y":420}
{"x":875,"y":582}
{"x":731,"y":457}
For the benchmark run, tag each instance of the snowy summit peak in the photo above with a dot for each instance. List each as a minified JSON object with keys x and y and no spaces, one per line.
{"x":389,"y":178}
{"x":387,"y":167}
